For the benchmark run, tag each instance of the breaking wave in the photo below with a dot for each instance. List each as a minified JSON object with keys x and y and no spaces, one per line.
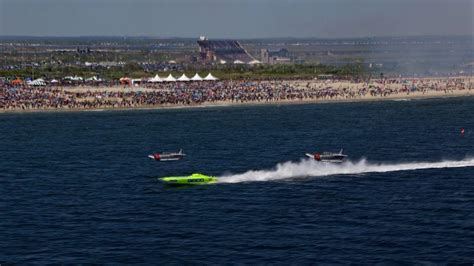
{"x":310,"y":168}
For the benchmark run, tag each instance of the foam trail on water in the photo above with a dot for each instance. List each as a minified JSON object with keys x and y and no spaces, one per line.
{"x":312,"y":168}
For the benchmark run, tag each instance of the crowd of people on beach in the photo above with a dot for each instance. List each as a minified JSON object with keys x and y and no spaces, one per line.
{"x":193,"y":93}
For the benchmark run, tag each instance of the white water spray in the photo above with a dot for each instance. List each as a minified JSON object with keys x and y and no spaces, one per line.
{"x":310,"y":168}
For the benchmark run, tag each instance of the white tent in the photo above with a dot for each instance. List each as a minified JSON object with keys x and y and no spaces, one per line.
{"x":37,"y":82}
{"x":77,"y":78}
{"x":210,"y":77}
{"x":136,"y":81}
{"x":155,"y":79}
{"x":94,"y":78}
{"x":54,"y":81}
{"x":183,"y":78}
{"x":238,"y":62}
{"x":196,"y":77}
{"x":170,"y":78}
{"x":254,"y":62}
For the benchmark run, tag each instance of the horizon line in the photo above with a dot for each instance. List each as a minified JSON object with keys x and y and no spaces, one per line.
{"x":245,"y":38}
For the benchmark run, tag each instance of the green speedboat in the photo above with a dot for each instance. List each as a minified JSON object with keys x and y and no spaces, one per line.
{"x":194,"y":179}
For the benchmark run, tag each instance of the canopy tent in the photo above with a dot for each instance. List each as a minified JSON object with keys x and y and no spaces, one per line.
{"x":183,"y":78}
{"x":254,"y":62}
{"x":37,"y":82}
{"x":136,"y":81}
{"x":196,"y":77}
{"x":155,"y":79}
{"x":94,"y":78}
{"x":75,"y":78}
{"x":170,"y":78}
{"x":16,"y":82}
{"x":210,"y":77}
{"x":125,"y":81}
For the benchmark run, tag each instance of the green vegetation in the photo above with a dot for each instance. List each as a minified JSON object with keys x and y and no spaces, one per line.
{"x":290,"y":71}
{"x":133,"y":70}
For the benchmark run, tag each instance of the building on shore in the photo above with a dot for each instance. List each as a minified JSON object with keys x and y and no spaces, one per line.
{"x":223,"y":52}
{"x":281,"y":56}
{"x":83,"y":50}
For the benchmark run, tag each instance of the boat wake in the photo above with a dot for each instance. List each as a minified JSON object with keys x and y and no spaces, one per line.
{"x":311,"y":168}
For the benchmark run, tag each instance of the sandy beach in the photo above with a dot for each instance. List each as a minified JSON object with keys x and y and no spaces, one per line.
{"x":89,"y":98}
{"x":412,"y":96}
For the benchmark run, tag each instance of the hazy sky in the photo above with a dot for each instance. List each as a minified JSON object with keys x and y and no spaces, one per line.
{"x":237,"y":18}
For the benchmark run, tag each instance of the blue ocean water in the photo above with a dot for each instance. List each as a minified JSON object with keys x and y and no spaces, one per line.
{"x":79,"y":188}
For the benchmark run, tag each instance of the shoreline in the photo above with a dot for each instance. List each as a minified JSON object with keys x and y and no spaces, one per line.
{"x":408,"y":97}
